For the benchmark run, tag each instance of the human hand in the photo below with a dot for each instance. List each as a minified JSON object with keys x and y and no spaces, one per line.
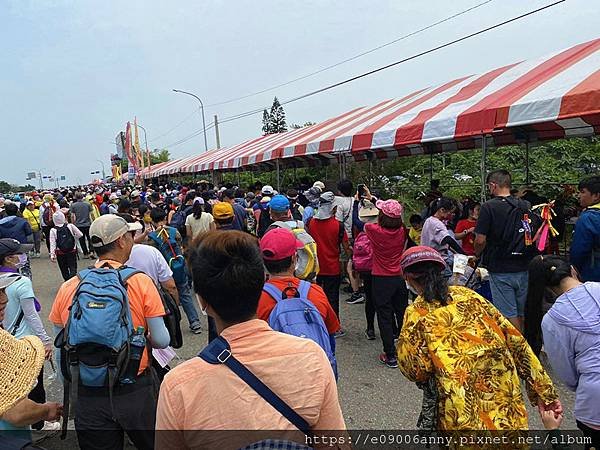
{"x":368,"y":195}
{"x":550,"y":420}
{"x":555,"y":406}
{"x":470,"y":230}
{"x":48,"y":349}
{"x":53,"y":258}
{"x":54,"y":411}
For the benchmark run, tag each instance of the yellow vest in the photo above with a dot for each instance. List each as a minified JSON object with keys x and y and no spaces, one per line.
{"x":33,"y":217}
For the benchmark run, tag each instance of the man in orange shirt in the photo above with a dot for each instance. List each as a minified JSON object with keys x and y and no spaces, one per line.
{"x":278,"y":247}
{"x":98,"y":423}
{"x":199,"y":395}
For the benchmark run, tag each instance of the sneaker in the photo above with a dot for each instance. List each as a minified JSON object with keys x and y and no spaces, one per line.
{"x":392,"y":363}
{"x":196,"y":327}
{"x":340,"y":333}
{"x":355,"y":298}
{"x":370,"y":334}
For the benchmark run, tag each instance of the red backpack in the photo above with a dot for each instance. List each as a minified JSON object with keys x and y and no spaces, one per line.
{"x":362,"y":253}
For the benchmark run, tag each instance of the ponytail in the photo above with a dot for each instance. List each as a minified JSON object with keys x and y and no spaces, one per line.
{"x":544,"y":272}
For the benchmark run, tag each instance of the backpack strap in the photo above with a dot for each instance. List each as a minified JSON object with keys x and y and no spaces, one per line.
{"x":304,"y":288}
{"x":219,"y":352}
{"x":341,"y":233}
{"x":273,"y":292}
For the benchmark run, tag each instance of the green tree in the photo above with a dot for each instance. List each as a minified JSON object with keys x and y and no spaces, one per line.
{"x":159,"y":155}
{"x":266,"y":128}
{"x":277,"y":118}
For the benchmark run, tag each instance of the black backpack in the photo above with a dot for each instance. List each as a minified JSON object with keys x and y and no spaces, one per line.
{"x":65,"y":241}
{"x":264,"y":221}
{"x":296,"y":214}
{"x":172,"y":317}
{"x":520,"y":229}
{"x":178,"y":219}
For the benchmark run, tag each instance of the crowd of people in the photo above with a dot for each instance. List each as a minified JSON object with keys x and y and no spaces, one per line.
{"x":466,"y":296}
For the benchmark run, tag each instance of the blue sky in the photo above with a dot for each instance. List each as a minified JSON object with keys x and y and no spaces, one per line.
{"x":74,"y":72}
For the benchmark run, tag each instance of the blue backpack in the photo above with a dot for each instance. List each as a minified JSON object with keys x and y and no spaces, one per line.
{"x":166,"y":241}
{"x":299,"y":317}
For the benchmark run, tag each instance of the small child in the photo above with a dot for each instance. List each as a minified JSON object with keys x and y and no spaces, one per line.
{"x":416,"y":225}
{"x":552,"y":423}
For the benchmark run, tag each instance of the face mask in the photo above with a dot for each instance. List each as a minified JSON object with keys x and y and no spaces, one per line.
{"x":202,"y":310}
{"x":411,"y":289}
{"x":22,"y":261}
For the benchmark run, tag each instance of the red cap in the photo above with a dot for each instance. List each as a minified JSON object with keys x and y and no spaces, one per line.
{"x":418,"y":254}
{"x":279,"y":244}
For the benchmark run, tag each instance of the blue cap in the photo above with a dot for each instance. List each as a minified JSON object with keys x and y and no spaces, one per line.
{"x":279,"y":203}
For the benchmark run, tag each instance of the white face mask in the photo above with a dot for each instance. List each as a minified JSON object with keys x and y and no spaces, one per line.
{"x":202,"y":310}
{"x":411,"y":289}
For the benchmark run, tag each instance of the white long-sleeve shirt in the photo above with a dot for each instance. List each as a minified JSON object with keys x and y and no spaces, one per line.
{"x":74,"y":231}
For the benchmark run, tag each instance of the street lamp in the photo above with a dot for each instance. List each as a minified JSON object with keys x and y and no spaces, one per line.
{"x":103,"y":174}
{"x":202,"y":108}
{"x":145,"y":142}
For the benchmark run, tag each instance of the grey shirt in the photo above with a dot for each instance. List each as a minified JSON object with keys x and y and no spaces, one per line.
{"x":82,"y":211}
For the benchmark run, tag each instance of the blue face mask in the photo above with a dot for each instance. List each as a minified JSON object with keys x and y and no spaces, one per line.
{"x":22,"y":261}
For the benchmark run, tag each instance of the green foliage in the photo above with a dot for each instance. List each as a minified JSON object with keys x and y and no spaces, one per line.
{"x":5,"y":187}
{"x":274,"y":121}
{"x":159,"y":155}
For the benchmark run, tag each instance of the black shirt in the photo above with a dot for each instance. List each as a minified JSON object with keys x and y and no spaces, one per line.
{"x":491,"y":223}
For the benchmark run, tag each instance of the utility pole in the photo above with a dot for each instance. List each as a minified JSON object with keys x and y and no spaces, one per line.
{"x":217,"y":131}
{"x":103,"y":174}
{"x":146,"y":143}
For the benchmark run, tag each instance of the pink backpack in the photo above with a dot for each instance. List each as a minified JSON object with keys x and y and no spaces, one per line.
{"x":362,"y":253}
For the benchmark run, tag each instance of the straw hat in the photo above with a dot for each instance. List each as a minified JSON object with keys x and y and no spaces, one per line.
{"x":20,"y":363}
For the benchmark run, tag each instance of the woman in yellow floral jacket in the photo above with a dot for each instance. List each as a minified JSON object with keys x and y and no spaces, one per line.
{"x":475,"y":355}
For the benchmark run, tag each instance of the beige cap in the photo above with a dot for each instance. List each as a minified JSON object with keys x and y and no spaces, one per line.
{"x":110,"y":227}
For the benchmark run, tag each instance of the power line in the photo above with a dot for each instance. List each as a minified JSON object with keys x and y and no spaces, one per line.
{"x":387,"y":66}
{"x":352,"y":58}
{"x":175,"y":127}
{"x":189,"y":137}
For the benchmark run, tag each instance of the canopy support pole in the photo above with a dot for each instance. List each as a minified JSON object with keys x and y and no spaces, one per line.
{"x":370,"y":172}
{"x":278,"y":175}
{"x":483,"y":161}
{"x":527,"y":174}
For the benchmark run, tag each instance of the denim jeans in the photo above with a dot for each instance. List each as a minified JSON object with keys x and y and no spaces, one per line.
{"x":187,"y":301}
{"x":509,"y":293}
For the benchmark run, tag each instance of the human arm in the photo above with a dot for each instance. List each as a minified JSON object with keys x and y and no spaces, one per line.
{"x":463,"y":230}
{"x":53,"y":244}
{"x":32,"y":319}
{"x":454,"y":246}
{"x":583,"y":240}
{"x":559,"y":347}
{"x":76,"y":231}
{"x":538,"y":383}
{"x":159,"y":335}
{"x":27,"y":412}
{"x":482,"y":229}
{"x":479,"y":244}
{"x":170,"y":286}
{"x":188,"y":229}
{"x":356,"y":222}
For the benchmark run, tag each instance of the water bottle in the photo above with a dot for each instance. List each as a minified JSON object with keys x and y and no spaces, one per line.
{"x":136,"y":349}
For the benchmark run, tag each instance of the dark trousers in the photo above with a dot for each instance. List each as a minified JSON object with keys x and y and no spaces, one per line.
{"x":591,"y":433}
{"x":67,"y":264}
{"x":46,"y":231}
{"x":84,"y":240}
{"x":38,"y":395}
{"x":331,"y":286}
{"x":134,"y":412}
{"x":391,"y":299}
{"x":367,"y":279}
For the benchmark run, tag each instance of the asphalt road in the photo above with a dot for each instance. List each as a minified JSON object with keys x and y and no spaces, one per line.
{"x":371,"y":395}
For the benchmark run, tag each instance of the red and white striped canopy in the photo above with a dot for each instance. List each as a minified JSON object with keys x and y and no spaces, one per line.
{"x":551,"y":97}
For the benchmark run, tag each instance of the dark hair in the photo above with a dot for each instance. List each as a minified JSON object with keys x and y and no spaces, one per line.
{"x":143,"y":209}
{"x":228,"y":273}
{"x":544,"y":272}
{"x":124,"y":206}
{"x":592,"y":184}
{"x":157,"y":215}
{"x":279,"y":266}
{"x":415,"y":219}
{"x":389,"y":222}
{"x":430,"y":276}
{"x":106,"y":198}
{"x":240,"y":193}
{"x":435,"y":184}
{"x":228,"y":193}
{"x":191,"y":195}
{"x":501,"y":177}
{"x":470,"y":206}
{"x":101,"y":251}
{"x":442,"y":202}
{"x":345,"y":187}
{"x":227,"y":221}
{"x":197,"y":210}
{"x":128,"y":217}
{"x":11,"y":209}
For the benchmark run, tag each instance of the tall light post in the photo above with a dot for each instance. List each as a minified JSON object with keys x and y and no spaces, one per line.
{"x":103,"y":173}
{"x":146,"y":143}
{"x":202,"y":108}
